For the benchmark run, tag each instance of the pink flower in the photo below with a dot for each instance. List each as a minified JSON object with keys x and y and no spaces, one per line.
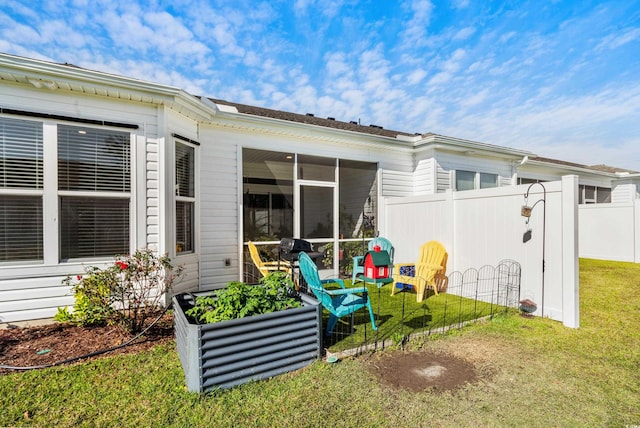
{"x":79,"y":277}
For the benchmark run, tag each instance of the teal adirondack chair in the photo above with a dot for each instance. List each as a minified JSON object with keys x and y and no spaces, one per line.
{"x":339,"y":302}
{"x":358,"y":261}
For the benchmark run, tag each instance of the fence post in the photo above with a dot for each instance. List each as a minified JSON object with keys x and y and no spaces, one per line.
{"x":570,"y":265}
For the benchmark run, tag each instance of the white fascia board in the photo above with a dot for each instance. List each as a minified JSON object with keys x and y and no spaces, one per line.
{"x":574,"y":169}
{"x":458,"y":145}
{"x":31,"y":70}
{"x":253,"y":123}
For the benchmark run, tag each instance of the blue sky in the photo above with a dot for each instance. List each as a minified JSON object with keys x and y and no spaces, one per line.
{"x":558,"y":78}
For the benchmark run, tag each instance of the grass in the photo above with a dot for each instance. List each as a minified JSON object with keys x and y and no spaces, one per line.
{"x":533,"y":372}
{"x":401,"y":315}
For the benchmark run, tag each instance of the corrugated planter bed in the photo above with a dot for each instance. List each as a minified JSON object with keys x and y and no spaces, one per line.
{"x":234,"y":352}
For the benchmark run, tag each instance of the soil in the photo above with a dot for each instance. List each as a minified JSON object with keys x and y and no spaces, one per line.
{"x":422,"y":370}
{"x":53,"y":343}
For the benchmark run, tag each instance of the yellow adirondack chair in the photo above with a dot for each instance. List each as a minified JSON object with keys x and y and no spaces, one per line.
{"x":266,"y":267}
{"x":428,"y":271}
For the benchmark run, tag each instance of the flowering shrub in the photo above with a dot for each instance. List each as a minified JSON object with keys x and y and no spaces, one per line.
{"x":127,"y":292}
{"x":92,"y":293}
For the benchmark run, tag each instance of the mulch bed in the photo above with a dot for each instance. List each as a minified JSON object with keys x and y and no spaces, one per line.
{"x":56,"y":342}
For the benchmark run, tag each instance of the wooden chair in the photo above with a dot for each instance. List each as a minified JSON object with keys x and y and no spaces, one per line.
{"x":266,"y":267}
{"x":429,"y":271}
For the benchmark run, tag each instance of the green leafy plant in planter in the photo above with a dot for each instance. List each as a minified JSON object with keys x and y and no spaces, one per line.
{"x":275,"y":292}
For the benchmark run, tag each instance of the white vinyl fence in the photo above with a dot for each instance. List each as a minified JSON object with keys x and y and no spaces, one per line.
{"x":610,"y":231}
{"x":483,"y":227}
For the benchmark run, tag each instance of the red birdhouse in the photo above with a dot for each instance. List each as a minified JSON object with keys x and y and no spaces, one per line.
{"x":376,"y":264}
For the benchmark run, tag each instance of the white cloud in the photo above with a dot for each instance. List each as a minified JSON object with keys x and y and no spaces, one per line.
{"x":460,"y":4}
{"x":415,"y":77}
{"x":614,"y":41}
{"x":415,"y":29}
{"x":466,"y":69}
{"x":464,"y":33}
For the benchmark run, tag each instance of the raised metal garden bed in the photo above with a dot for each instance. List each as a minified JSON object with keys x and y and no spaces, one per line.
{"x":230,"y":353}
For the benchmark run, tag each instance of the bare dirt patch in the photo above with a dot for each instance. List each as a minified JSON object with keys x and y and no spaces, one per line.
{"x":53,"y":343}
{"x":422,"y":370}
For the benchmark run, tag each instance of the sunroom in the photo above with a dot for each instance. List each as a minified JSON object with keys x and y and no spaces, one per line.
{"x":329,"y":202}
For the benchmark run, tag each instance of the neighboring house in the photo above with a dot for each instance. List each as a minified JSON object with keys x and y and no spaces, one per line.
{"x":95,"y":165}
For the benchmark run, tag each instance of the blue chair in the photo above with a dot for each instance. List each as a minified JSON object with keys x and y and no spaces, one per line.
{"x":339,"y":302}
{"x":358,"y":261}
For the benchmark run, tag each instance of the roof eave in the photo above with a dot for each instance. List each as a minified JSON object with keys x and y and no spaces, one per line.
{"x":60,"y":76}
{"x":572,"y":168}
{"x":468,"y":147}
{"x":312,"y":129}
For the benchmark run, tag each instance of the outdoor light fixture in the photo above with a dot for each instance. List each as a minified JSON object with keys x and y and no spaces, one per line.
{"x":526,"y":211}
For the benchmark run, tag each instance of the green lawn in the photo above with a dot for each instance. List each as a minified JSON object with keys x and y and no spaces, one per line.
{"x":533,"y":372}
{"x":401,"y":315}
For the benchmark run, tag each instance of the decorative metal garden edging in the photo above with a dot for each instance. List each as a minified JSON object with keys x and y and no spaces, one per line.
{"x":230,"y":353}
{"x":472,"y":295}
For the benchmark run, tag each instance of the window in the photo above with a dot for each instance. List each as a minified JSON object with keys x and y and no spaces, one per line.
{"x":465,"y":180}
{"x":185,"y":198}
{"x":470,"y":180}
{"x":21,"y":184}
{"x":593,"y":194}
{"x":91,"y":200}
{"x":94,"y":183}
{"x":528,"y":180}
{"x":358,"y":199}
{"x":267,"y":195}
{"x":316,"y":168}
{"x":488,"y":180}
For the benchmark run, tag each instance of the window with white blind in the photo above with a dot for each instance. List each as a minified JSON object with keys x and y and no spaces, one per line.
{"x":185,"y":197}
{"x":21,"y":190}
{"x":94,"y":183}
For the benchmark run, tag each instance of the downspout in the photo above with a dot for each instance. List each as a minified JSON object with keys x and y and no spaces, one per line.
{"x":515,"y":168}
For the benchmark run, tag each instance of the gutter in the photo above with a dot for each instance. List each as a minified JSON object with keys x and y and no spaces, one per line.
{"x":53,"y":76}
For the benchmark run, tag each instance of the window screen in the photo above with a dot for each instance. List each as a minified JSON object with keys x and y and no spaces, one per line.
{"x":185,"y":197}
{"x":20,"y":228}
{"x":21,"y":168}
{"x":465,"y":180}
{"x":20,"y":154}
{"x":91,"y":162}
{"x":488,"y":180}
{"x":93,"y":227}
{"x":93,"y":159}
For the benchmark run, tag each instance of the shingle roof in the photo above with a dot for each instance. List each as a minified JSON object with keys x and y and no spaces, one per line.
{"x":312,"y":119}
{"x":374,"y":130}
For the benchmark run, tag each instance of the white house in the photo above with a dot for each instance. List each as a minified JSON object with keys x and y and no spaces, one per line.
{"x":95,"y":165}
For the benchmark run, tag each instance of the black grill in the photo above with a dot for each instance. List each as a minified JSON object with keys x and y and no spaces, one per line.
{"x":293,"y":246}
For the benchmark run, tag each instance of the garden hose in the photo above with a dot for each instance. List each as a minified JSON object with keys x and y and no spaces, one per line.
{"x":91,"y":354}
